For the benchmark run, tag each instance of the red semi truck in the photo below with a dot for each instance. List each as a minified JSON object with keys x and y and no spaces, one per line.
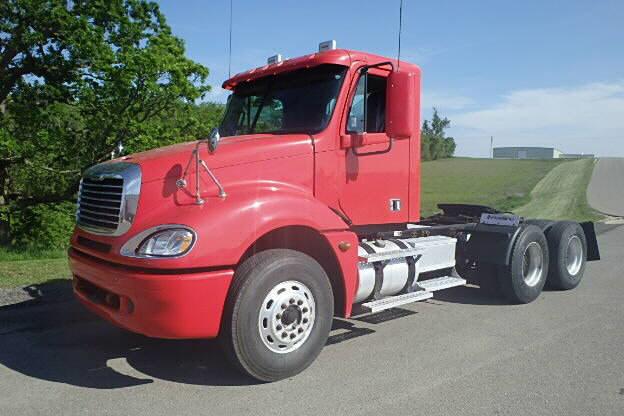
{"x":304,"y":204}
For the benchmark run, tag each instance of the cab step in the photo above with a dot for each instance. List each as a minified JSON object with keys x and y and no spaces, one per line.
{"x":394,"y":301}
{"x":440,"y":283}
{"x":428,"y":286}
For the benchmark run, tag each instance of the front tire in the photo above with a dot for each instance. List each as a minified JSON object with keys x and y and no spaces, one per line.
{"x":523,"y":280}
{"x":278,"y":314}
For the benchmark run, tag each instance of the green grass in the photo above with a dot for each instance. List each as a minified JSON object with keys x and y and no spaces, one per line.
{"x":562,"y":194}
{"x":532,"y":188}
{"x":31,"y":267}
{"x":28,"y":272}
{"x":15,"y":255}
{"x":502,"y":184}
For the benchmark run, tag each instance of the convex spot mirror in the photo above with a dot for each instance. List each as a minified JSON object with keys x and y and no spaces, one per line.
{"x":213,"y":140}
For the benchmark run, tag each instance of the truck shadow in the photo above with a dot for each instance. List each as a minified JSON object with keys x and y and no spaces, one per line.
{"x":52,"y":337}
{"x":62,"y":342}
{"x":469,"y":295}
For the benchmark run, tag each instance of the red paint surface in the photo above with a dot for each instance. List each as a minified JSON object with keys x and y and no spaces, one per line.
{"x":272,"y":181}
{"x":165,"y":305}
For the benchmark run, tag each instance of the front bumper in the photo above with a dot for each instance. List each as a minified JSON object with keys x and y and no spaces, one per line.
{"x":160,"y":304}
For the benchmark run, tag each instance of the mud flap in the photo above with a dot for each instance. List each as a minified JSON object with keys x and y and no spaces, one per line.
{"x":593,"y":252}
{"x":491,"y":243}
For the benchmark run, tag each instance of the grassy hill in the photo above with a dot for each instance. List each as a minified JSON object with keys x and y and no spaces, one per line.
{"x":503,"y":184}
{"x":562,"y":194}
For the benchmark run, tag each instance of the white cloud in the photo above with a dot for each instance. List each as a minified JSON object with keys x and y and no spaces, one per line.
{"x":419,"y":55}
{"x":444,"y":101}
{"x":584,"y":119}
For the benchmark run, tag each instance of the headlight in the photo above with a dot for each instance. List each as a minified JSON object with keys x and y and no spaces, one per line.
{"x":167,"y":243}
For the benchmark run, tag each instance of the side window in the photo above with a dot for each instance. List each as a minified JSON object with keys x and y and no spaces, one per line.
{"x":368,"y":109}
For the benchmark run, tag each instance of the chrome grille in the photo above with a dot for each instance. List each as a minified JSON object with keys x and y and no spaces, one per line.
{"x":108,"y":198}
{"x":99,"y":203}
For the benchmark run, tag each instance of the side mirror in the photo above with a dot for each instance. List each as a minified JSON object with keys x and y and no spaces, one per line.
{"x":213,"y":140}
{"x":402,"y":104}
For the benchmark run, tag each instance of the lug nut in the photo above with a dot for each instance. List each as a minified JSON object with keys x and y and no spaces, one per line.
{"x":300,"y":330}
{"x":292,"y":336}
{"x":278,"y":316}
{"x":304,"y":310}
{"x":291,"y":300}
{"x":299,"y":302}
{"x":279,"y":327}
{"x":284,"y":334}
{"x":305,"y":320}
{"x":283,"y":306}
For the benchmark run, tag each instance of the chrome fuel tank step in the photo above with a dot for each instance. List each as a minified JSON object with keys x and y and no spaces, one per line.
{"x":394,"y":301}
{"x":429,"y":286}
{"x":441,"y":283}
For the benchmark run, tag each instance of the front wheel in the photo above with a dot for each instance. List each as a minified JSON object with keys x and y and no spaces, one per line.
{"x":278,"y":314}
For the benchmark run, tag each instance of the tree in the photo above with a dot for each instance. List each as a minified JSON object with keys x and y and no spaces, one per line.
{"x":76,"y":78}
{"x":434,"y":143}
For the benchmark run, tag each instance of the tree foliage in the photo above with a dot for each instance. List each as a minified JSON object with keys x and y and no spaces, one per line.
{"x":434,"y":142}
{"x":76,"y":78}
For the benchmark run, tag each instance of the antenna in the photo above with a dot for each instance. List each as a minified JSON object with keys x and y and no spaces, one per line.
{"x":400,"y":27}
{"x":230,"y":43}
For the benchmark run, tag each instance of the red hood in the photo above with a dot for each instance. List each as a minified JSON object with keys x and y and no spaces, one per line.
{"x":238,"y":150}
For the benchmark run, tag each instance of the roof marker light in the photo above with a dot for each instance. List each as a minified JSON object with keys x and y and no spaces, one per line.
{"x":275,"y":59}
{"x":328,"y":45}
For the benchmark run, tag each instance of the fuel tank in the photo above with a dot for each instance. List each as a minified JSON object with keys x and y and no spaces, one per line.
{"x":432,"y":253}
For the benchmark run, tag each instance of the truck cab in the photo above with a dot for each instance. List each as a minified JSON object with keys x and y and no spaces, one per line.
{"x":304,"y":202}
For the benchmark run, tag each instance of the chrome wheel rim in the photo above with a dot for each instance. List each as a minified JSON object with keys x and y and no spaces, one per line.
{"x":532,"y":264}
{"x":286,"y":316}
{"x":574,"y":255}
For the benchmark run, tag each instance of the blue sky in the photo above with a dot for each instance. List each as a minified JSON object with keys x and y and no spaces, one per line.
{"x":547,"y":73}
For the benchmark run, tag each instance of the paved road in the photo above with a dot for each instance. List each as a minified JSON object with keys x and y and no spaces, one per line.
{"x":461,"y":353}
{"x":606,"y":188}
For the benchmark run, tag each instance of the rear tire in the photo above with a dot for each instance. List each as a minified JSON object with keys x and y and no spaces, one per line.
{"x":568,"y":255}
{"x":278,"y":314}
{"x":523,"y":280}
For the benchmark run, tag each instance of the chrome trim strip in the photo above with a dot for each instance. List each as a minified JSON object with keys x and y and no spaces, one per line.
{"x":97,"y":185}
{"x":97,"y":218}
{"x":115,"y":194}
{"x":89,"y":204}
{"x":99,"y":199}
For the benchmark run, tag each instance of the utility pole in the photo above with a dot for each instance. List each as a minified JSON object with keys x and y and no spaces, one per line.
{"x":491,"y":147}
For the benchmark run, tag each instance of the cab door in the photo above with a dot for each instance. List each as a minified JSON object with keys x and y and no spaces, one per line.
{"x":375,"y":168}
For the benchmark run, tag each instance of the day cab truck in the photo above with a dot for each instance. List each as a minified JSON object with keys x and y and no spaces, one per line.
{"x":304,"y":204}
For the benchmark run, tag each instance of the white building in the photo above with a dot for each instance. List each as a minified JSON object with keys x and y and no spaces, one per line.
{"x":527,"y":153}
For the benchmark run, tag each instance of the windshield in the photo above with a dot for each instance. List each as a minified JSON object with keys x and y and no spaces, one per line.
{"x":301,"y":101}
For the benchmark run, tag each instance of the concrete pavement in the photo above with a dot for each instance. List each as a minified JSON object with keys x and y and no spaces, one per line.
{"x":462,"y":353}
{"x":606,"y":188}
